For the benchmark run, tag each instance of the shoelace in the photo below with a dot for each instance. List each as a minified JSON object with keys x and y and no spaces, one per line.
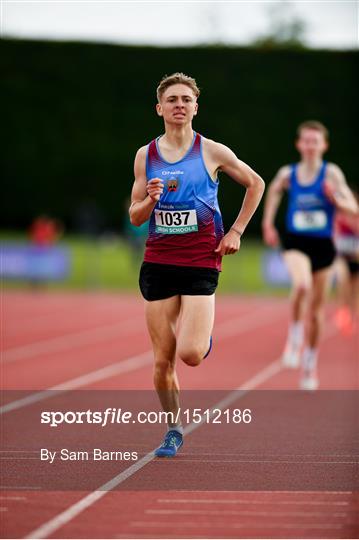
{"x":171,"y":440}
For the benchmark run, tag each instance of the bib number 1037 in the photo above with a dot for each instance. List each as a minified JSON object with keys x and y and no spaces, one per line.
{"x":177,"y":218}
{"x":173,"y":218}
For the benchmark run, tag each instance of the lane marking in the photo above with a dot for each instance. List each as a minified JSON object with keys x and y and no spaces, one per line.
{"x":69,"y":341}
{"x":245,"y":513}
{"x":254,"y":501}
{"x":88,"y":337}
{"x":226,"y":525}
{"x":74,"y":510}
{"x":233,"y":327}
{"x":117,"y":368}
{"x":256,"y":461}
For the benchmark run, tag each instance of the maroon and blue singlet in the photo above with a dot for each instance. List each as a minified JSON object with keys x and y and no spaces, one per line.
{"x":186,"y":224}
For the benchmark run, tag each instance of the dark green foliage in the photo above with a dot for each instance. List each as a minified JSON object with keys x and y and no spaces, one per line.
{"x":75,"y":113}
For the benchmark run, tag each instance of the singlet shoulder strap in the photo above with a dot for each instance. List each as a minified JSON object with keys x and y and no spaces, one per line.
{"x":322,"y":172}
{"x":293,"y":174}
{"x":152,"y":156}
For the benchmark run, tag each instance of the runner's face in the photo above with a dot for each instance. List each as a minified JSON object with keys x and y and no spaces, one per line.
{"x":311,"y":144}
{"x":178,"y":105}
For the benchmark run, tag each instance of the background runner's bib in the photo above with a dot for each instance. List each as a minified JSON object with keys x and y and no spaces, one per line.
{"x":346,"y":237}
{"x":309,"y":212}
{"x":347,"y":245}
{"x":310,"y":220}
{"x":185,"y":226}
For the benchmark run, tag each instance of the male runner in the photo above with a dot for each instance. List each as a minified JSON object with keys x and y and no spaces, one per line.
{"x":176,"y":188}
{"x":315,"y":188}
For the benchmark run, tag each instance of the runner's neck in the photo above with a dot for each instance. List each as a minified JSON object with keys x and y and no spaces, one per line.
{"x":177,"y":138}
{"x":308,"y":170}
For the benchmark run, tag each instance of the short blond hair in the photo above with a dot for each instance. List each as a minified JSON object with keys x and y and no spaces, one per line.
{"x":177,"y":78}
{"x":313,"y":124}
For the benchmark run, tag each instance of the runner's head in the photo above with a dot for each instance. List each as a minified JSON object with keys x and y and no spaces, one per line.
{"x":312,"y":139}
{"x":177,"y":99}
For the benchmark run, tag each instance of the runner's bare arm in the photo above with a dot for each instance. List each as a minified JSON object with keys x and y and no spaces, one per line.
{"x":338,"y":192}
{"x":228,"y":162}
{"x":145,"y":194}
{"x":244,"y":175}
{"x":272,"y":201}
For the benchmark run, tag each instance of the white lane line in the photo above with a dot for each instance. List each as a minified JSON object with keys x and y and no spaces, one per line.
{"x":256,"y":461}
{"x":224,"y":330}
{"x":89,"y":336}
{"x":70,"y":341}
{"x":226,"y":525}
{"x":224,"y":454}
{"x":243,"y":513}
{"x":270,"y":492}
{"x":200,"y":454}
{"x":253,"y":501}
{"x":117,"y":368}
{"x":70,"y":513}
{"x":301,"y":463}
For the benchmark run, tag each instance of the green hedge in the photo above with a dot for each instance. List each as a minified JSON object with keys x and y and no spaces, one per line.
{"x":75,"y":113}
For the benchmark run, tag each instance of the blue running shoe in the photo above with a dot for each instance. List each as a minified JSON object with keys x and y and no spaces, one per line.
{"x":170,"y":446}
{"x":210,"y":348}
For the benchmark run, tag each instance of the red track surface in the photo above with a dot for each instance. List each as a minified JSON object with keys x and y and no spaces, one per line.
{"x":51,"y":339}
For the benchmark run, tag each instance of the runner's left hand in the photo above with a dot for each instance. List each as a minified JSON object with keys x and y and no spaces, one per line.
{"x":229,"y":244}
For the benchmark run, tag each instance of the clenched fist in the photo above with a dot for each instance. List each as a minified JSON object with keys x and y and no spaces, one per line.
{"x":155,"y":188}
{"x":229,"y":244}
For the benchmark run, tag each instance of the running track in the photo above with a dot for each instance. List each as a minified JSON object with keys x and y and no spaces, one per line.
{"x":98,"y":341}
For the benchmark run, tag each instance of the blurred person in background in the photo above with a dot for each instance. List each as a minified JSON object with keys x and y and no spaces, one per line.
{"x":315,"y":190}
{"x":346,"y":239}
{"x":176,"y":184}
{"x":45,"y":231}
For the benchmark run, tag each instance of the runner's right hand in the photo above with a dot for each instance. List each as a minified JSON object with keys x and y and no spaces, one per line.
{"x":270,"y":235}
{"x":155,"y":188}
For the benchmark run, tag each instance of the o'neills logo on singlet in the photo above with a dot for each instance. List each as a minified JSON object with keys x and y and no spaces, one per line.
{"x":165,"y":173}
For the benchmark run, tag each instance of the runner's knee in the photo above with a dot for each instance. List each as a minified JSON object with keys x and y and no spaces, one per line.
{"x":192,"y":356}
{"x":302,"y":289}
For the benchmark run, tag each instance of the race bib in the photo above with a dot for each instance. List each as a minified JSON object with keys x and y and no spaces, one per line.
{"x":176,"y":218}
{"x":347,"y":245}
{"x":310,"y":220}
